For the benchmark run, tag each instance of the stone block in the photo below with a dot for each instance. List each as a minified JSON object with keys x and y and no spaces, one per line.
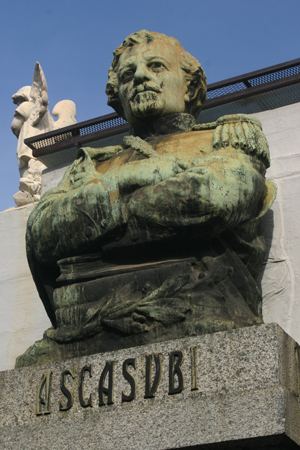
{"x":236,"y":389}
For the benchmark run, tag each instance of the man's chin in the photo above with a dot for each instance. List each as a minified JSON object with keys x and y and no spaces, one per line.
{"x":145,"y":104}
{"x":145,"y":110}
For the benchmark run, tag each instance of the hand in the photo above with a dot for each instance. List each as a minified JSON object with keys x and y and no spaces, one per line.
{"x":79,"y":173}
{"x":137,"y":174}
{"x":150,"y":171}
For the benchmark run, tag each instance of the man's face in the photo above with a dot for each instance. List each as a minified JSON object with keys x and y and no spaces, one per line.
{"x":151,"y":82}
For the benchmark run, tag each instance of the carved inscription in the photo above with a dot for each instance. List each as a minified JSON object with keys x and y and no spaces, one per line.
{"x":85,"y":403}
{"x":130,"y":379}
{"x":176,"y":381}
{"x":65,"y":390}
{"x":109,"y":390}
{"x":150,"y":390}
{"x":152,"y":373}
{"x":43,"y":395}
{"x":194,"y":386}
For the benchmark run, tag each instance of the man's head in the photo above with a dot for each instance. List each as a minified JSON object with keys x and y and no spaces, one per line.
{"x":153,"y":76}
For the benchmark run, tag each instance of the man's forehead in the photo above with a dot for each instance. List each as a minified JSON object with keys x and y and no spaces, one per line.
{"x":155,"y":49}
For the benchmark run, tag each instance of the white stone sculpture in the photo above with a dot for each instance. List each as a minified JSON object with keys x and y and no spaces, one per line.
{"x":32,"y":117}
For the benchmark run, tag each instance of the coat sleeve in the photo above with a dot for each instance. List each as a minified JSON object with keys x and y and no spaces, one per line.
{"x":67,"y":220}
{"x":218,"y":192}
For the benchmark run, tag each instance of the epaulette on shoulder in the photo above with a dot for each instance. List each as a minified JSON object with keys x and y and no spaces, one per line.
{"x":102,"y":153}
{"x":239,"y":131}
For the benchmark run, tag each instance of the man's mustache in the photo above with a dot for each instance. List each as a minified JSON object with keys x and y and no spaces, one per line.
{"x":145,"y":87}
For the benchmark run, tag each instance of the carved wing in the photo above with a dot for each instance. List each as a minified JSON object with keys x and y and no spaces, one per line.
{"x":39,"y":94}
{"x":65,"y":110}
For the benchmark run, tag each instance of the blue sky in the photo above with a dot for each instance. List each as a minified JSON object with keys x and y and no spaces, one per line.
{"x":73,"y":40}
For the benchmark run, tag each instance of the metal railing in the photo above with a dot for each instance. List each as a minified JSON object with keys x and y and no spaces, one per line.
{"x":222,"y":92}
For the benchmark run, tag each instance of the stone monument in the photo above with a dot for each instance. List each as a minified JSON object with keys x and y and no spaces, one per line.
{"x":145,"y":257}
{"x":158,"y":238}
{"x":32,"y":117}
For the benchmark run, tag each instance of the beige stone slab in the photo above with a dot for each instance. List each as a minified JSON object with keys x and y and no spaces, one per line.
{"x":247,"y":388}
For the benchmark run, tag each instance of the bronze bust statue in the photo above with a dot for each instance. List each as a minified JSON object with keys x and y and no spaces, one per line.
{"x":158,"y":238}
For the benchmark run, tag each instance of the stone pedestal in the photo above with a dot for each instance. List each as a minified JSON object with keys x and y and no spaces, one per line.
{"x":236,"y":389}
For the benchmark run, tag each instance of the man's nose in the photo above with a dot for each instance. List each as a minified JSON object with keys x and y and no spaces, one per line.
{"x":142,"y":74}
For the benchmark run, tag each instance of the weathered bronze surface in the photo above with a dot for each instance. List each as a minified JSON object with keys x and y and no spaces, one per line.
{"x":158,"y":238}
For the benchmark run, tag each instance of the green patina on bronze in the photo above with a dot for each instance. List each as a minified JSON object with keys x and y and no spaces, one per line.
{"x":158,"y":238}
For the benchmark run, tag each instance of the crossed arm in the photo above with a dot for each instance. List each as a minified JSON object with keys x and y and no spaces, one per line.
{"x":215,"y":191}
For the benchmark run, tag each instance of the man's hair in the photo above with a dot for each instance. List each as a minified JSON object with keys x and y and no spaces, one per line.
{"x":194,"y":73}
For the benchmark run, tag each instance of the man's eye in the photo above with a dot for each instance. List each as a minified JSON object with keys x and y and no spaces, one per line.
{"x":127,"y":76}
{"x":157,"y":66}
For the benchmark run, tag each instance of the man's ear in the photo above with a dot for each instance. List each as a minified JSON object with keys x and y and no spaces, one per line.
{"x":190,"y":97}
{"x":191,"y":92}
{"x":193,"y":98}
